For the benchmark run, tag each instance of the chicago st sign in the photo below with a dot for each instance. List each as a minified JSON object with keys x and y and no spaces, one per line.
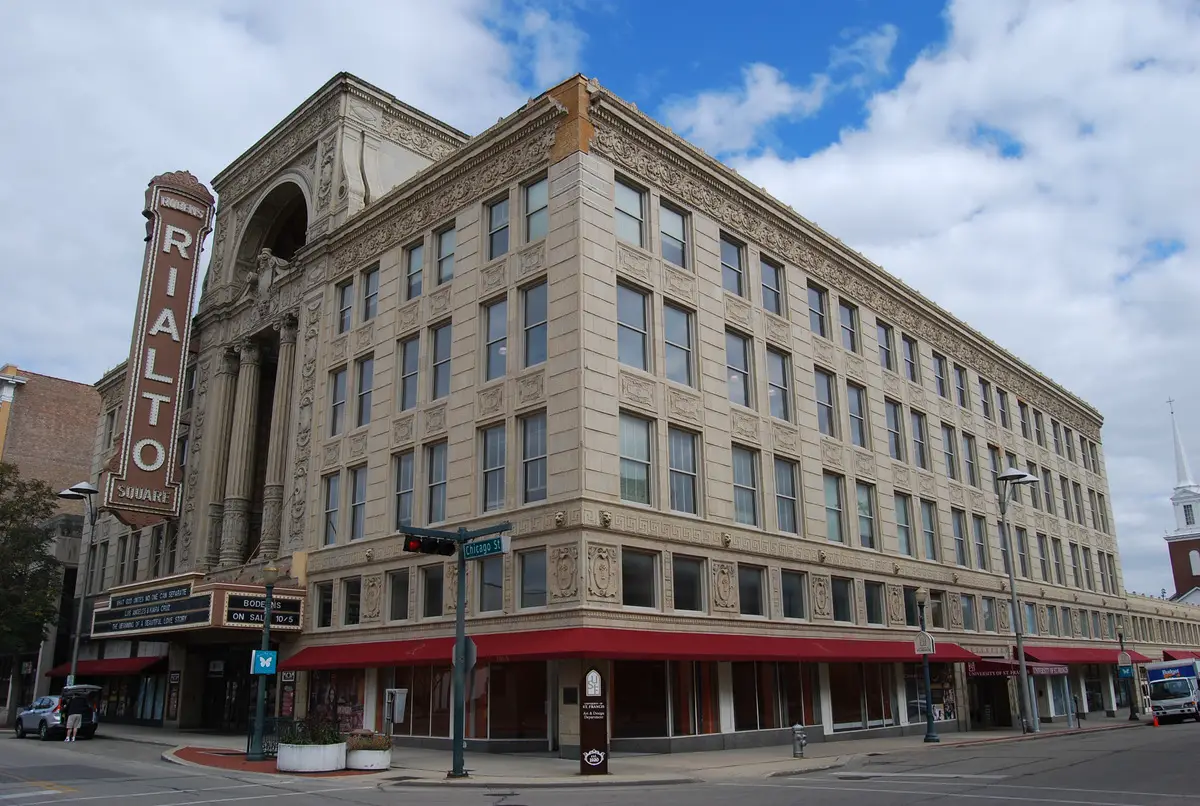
{"x":179,"y":213}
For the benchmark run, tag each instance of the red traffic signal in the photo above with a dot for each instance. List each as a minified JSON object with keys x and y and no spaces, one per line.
{"x":430,"y":545}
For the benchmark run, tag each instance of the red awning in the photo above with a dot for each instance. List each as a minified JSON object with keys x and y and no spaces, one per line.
{"x":617,"y":644}
{"x":1075,"y":654}
{"x":108,"y":667}
{"x":1180,"y":654}
{"x":999,"y":667}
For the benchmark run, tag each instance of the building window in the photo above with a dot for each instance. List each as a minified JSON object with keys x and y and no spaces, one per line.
{"x":440,"y":337}
{"x":843,"y":599}
{"x":904,"y":534}
{"x":981,"y":545}
{"x":681,"y":448}
{"x":1189,"y":515}
{"x":630,"y":212}
{"x":787,"y":507}
{"x":638,"y":571}
{"x":833,"y":508}
{"x":189,"y":387}
{"x":920,"y":440}
{"x":1076,"y":576}
{"x":968,"y":612}
{"x":794,"y":586}
{"x":446,"y":241}
{"x":533,"y":578}
{"x":635,"y":459}
{"x":688,"y":576}
{"x":325,"y":604}
{"x":970,"y":460}
{"x":1112,"y":577}
{"x":985,"y":398}
{"x":537,"y":210}
{"x":732,"y":276}
{"x":1048,"y":488}
{"x":994,"y":462}
{"x":818,"y":310}
{"x":1043,"y":557}
{"x":1039,"y":431}
{"x":491,"y":583}
{"x":370,"y":294}
{"x":1069,"y":443}
{"x":779,"y":384}
{"x":848,"y":317}
{"x":1102,"y":560}
{"x":536,"y":317}
{"x":887,"y":345}
{"x":498,"y":228}
{"x":410,"y":363}
{"x":772,"y":287}
{"x":1056,"y":432}
{"x":737,"y":367}
{"x":937,"y":609}
{"x":949,"y":451}
{"x":493,"y":467}
{"x":1034,"y":499}
{"x":632,"y":327}
{"x":912,"y":359}
{"x":1002,"y":405}
{"x":1078,"y":495}
{"x":333,"y":490}
{"x":750,"y":590}
{"x":358,"y":502}
{"x":1059,"y":577}
{"x":1052,"y":621}
{"x":959,"y":521}
{"x":989,"y":614}
{"x":1089,"y":575}
{"x":495,"y":343}
{"x":1094,"y":451}
{"x":414,"y":264}
{"x":345,"y":306}
{"x":398,"y":595}
{"x":432,"y":584}
{"x":337,"y":401}
{"x":405,"y":484}
{"x":1103,"y":514}
{"x":929,"y":528}
{"x":856,"y":400}
{"x":351,"y":600}
{"x":912,"y":616}
{"x":1031,"y":625}
{"x":533,"y":458}
{"x":894,"y":414}
{"x":826,"y":405}
{"x":1023,"y":414}
{"x":873,"y":598}
{"x":960,"y":386}
{"x":677,"y":338}
{"x":865,"y":499}
{"x":672,"y":235}
{"x":365,"y":373}
{"x":940,"y":373}
{"x":745,"y":486}
{"x":110,"y":427}
{"x":1023,"y":551}
{"x":436,"y":473}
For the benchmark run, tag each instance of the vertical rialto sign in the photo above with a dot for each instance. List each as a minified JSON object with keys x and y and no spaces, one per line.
{"x":179,"y":212}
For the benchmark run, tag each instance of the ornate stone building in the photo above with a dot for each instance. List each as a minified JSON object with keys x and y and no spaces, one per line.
{"x":731,"y":449}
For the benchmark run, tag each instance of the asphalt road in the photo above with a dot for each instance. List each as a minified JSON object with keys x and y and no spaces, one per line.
{"x":1136,"y":767}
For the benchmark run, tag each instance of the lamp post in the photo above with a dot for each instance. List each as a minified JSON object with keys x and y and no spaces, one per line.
{"x":83,"y":491}
{"x":931,"y":735}
{"x":1009,"y":480}
{"x":270,"y":576}
{"x":1128,"y":681}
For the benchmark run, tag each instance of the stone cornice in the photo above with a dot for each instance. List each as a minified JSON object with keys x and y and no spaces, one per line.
{"x":652,"y":152}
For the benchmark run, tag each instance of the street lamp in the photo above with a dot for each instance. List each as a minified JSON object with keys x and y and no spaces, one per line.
{"x":270,"y":576}
{"x":1009,"y":480}
{"x":83,"y":491}
{"x":930,"y":731}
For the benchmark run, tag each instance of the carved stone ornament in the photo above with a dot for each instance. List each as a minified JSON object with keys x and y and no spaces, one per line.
{"x":281,"y":152}
{"x":977,"y":500}
{"x":439,"y":302}
{"x":358,"y":445}
{"x":895,"y":594}
{"x":564,"y":566}
{"x":364,"y":338}
{"x":408,"y":317}
{"x":331,"y":454}
{"x":492,"y":278}
{"x":633,"y":262}
{"x":337,"y":350}
{"x":724,"y":587}
{"x":901,"y":476}
{"x":451,"y":575}
{"x":831,"y":453}
{"x":738,"y":312}
{"x":778,"y":330}
{"x":864,"y":464}
{"x":532,"y":260}
{"x":435,"y":420}
{"x":684,"y":406}
{"x":787,"y":440}
{"x":638,"y":391}
{"x":602,"y":572}
{"x":325,"y":175}
{"x":403,"y":430}
{"x":491,"y":400}
{"x":825,"y":352}
{"x":1043,"y":619}
{"x":531,"y":388}
{"x":956,"y":621}
{"x":948,"y":410}
{"x":916,"y":395}
{"x":892,"y":384}
{"x":743,"y":425}
{"x":993,"y":433}
{"x":927,"y":483}
{"x":855,"y":367}
{"x":966,"y":419}
{"x":1002,"y":617}
{"x":957,"y":495}
{"x":371,"y":596}
{"x":680,"y":284}
{"x":304,"y":421}
{"x":820,"y":586}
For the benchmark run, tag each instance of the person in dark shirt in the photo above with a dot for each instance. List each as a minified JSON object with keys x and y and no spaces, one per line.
{"x":77,"y":706}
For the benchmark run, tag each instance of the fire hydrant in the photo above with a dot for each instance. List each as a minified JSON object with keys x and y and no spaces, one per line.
{"x":799,"y":741}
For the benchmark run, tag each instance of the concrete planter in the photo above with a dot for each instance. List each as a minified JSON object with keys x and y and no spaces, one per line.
{"x":368,"y":759}
{"x":311,"y":757}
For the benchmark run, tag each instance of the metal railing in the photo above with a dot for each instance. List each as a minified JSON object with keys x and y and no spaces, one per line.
{"x":271,"y":729}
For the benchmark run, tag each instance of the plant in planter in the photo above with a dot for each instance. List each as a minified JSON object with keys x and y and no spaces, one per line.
{"x":310,"y":746}
{"x":368,"y":751}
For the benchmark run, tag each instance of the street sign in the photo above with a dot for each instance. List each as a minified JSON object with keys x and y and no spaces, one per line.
{"x":924,"y":644}
{"x":488,"y":547}
{"x":471,"y":654}
{"x":1123,"y":659}
{"x":262,"y":661}
{"x":1125,"y":672}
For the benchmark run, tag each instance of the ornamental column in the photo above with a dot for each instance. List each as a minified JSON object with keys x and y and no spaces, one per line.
{"x":241,"y":457}
{"x":214,"y":453}
{"x":281,"y":408}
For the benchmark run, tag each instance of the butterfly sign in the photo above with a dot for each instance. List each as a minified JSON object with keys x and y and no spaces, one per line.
{"x":262,"y":661}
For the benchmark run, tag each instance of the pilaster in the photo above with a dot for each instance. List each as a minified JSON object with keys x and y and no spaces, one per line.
{"x":281,"y":407}
{"x":241,"y":458}
{"x":214,"y":455}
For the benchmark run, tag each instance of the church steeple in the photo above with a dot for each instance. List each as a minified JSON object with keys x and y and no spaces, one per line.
{"x":1183,"y":470}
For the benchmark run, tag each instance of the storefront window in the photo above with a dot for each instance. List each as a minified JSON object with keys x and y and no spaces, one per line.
{"x":862,"y":695}
{"x":941,"y":683}
{"x":639,"y":691}
{"x":337,"y":696}
{"x":695,"y":698}
{"x":517,"y":696}
{"x":441,"y":696}
{"x":755,"y":696}
{"x":1091,"y":687}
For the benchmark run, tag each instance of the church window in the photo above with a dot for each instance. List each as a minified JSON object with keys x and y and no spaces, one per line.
{"x":1194,"y":557}
{"x":1189,"y":515}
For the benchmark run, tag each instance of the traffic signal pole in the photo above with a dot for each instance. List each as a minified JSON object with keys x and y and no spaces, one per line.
{"x":458,"y":538}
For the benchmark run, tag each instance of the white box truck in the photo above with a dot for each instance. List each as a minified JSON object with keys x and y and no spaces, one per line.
{"x":1174,"y":689}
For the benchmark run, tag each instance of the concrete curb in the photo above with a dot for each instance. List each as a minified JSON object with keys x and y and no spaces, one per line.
{"x":1028,"y":737}
{"x":136,"y":740}
{"x":591,"y":782}
{"x":832,"y":764}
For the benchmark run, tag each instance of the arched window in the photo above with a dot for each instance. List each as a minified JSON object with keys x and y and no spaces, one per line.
{"x":1194,"y":559}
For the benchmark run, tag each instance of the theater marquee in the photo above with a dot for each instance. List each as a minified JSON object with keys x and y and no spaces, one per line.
{"x":179,"y":211}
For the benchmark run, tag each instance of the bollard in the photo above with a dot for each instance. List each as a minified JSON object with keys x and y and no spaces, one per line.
{"x":799,"y":741}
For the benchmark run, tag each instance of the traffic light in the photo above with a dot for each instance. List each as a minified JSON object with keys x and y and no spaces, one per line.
{"x":429,"y":545}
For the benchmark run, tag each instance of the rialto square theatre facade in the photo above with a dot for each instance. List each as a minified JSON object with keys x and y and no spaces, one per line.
{"x":735,"y":454}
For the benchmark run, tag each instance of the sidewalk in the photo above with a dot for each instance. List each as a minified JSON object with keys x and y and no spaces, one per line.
{"x":420,"y":767}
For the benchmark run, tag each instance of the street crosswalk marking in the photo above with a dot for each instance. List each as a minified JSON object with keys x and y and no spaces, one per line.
{"x":868,"y":774}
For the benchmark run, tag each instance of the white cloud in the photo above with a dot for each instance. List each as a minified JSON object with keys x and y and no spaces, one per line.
{"x":100,"y":97}
{"x":1036,"y":177}
{"x":731,"y":120}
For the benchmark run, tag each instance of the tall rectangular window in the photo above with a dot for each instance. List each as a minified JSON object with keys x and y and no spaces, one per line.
{"x":856,"y":399}
{"x":787,"y":499}
{"x":751,"y":590}
{"x":405,"y":482}
{"x":1023,"y":413}
{"x":490,"y":571}
{"x":324,"y":599}
{"x":732,"y":274}
{"x":447,"y":240}
{"x":533,"y":578}
{"x":677,"y":343}
{"x":929,"y":529}
{"x":887,"y":345}
{"x":433,"y":581}
{"x":1112,"y":575}
{"x":826,"y":405}
{"x":332,"y":495}
{"x":495,"y":344}
{"x":639,"y":577}
{"x":959,"y":521}
{"x":1102,"y":561}
{"x":1069,"y":442}
{"x":895,"y":427}
{"x":337,"y":401}
{"x":864,"y":495}
{"x":833,"y":508}
{"x":358,"y":502}
{"x":413,"y":269}
{"x":970,"y":460}
{"x":535,"y":323}
{"x":1103,"y":513}
{"x":1093,"y":451}
{"x":1083,"y":453}
{"x":873,"y":599}
{"x":912,"y":359}
{"x":989,"y":614}
{"x":1076,"y":577}
{"x":967,"y":603}
{"x":672,"y":235}
{"x":979,"y":525}
{"x":745,"y":486}
{"x":985,"y":398}
{"x":436,"y":476}
{"x":920,"y":440}
{"x":848,"y":318}
{"x":494,"y":441}
{"x":1059,"y":577}
{"x":794,"y":586}
{"x":1023,"y":551}
{"x":497,"y":223}
{"x":537,"y":210}
{"x":1039,"y":431}
{"x":1089,"y":576}
{"x":1078,"y":494}
{"x":941,"y":373}
{"x":398,"y":594}
{"x":904,"y":535}
{"x":410,"y":367}
{"x":370,"y":294}
{"x":737,"y":367}
{"x":1044,"y":557}
{"x":1048,"y":489}
{"x":365,"y":373}
{"x":681,"y":449}
{"x":1034,"y":497}
{"x":533,"y":458}
{"x":633,"y":325}
{"x":1056,"y":432}
{"x":1002,"y":407}
{"x":994,"y":466}
{"x":950,"y":452}
{"x":818,"y":310}
{"x":345,"y":306}
{"x":843,"y":599}
{"x":779,"y":384}
{"x":635,"y":459}
{"x":440,"y":337}
{"x":960,"y":387}
{"x":630,"y":214}
{"x":772,"y":286}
